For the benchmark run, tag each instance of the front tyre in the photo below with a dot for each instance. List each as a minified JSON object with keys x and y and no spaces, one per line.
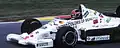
{"x":66,"y":37}
{"x":30,"y":25}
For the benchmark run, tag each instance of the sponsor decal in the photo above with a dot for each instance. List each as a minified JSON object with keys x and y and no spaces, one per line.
{"x":43,"y":27}
{"x":108,"y":20}
{"x":100,"y":20}
{"x":42,"y":44}
{"x":45,"y":35}
{"x":98,"y":38}
{"x":31,"y":35}
{"x":74,"y":23}
{"x":101,"y":15}
{"x":37,"y":32}
{"x":95,"y":21}
{"x":95,"y":12}
{"x":95,"y":26}
{"x":102,"y":25}
{"x":86,"y":13}
{"x":61,"y":22}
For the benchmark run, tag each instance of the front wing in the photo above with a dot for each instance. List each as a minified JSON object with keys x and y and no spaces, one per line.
{"x":41,"y":43}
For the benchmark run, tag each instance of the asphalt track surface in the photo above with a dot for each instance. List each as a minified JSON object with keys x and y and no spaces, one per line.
{"x":14,"y":27}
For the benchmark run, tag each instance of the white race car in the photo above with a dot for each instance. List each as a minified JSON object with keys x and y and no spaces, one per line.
{"x":66,"y":32}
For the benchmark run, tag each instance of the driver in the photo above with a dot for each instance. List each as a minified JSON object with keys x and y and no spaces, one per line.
{"x":76,"y":14}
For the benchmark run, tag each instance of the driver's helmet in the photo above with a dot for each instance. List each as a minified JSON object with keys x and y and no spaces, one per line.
{"x":76,"y":13}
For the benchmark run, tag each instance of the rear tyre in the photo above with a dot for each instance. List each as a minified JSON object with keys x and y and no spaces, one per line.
{"x":118,"y":11}
{"x":66,"y":37}
{"x":30,"y":25}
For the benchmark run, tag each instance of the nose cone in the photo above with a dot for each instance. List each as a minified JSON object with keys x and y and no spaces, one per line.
{"x":11,"y":37}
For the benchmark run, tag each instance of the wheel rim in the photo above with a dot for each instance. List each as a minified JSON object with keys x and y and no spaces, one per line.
{"x":70,"y":38}
{"x":34,"y":25}
{"x":33,"y":22}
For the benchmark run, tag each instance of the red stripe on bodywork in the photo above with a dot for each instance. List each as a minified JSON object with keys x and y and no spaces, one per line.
{"x":26,"y":37}
{"x":63,"y":16}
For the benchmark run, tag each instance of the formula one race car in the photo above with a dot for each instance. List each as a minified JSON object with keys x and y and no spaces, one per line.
{"x":66,"y":32}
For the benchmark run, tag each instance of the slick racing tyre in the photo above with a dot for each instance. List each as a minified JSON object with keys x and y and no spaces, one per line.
{"x":118,"y":11}
{"x":66,"y":37}
{"x":30,"y":25}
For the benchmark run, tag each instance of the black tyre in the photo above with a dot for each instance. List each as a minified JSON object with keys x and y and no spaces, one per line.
{"x":118,"y":11}
{"x":66,"y":37}
{"x":30,"y":25}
